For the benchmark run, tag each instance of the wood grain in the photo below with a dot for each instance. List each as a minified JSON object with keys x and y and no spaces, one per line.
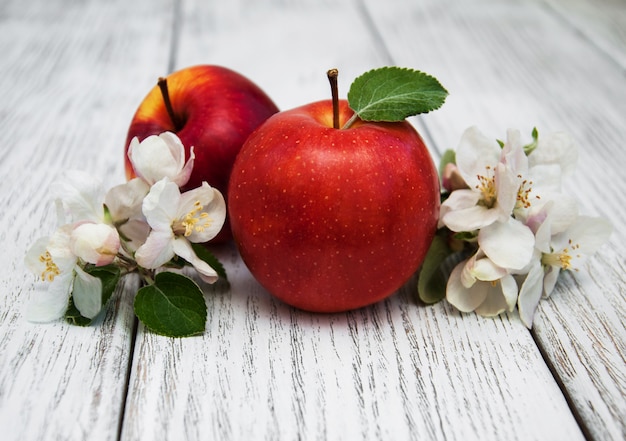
{"x":71,"y":75}
{"x":541,"y":67}
{"x":264,"y":370}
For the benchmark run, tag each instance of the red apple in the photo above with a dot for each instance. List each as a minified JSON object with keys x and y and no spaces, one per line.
{"x":333,"y":219}
{"x":216,"y":109}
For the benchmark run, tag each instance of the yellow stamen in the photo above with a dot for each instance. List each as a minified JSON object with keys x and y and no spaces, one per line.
{"x":523,"y":194}
{"x":562,"y":259}
{"x":196,"y":220}
{"x":51,"y":270}
{"x":487,"y":186}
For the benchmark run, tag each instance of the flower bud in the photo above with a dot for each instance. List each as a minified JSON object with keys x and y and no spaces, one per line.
{"x":162,"y":156}
{"x":95,"y":243}
{"x":452,"y":179}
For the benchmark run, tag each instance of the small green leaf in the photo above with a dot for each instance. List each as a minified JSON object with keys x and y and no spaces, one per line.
{"x":449,"y":157}
{"x":431,"y":284}
{"x":394,"y":93}
{"x":173,"y":306}
{"x":109,"y":275}
{"x":207,"y":256}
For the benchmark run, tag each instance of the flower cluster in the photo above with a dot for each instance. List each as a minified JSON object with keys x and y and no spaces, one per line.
{"x":505,"y":209}
{"x":141,"y":226}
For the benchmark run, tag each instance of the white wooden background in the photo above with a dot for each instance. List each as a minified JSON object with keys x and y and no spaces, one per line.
{"x":73,"y":72}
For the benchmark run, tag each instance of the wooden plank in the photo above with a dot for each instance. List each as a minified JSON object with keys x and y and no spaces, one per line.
{"x":72,"y":73}
{"x":394,"y":370}
{"x":602,"y":23}
{"x":514,"y":65}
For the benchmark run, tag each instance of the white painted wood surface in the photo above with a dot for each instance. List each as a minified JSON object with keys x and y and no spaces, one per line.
{"x":72,"y":74}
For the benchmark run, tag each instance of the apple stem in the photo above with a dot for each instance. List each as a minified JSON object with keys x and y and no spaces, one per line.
{"x":334,"y":89}
{"x":168,"y":104}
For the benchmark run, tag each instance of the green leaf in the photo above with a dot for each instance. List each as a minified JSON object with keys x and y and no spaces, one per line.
{"x":109,"y":275}
{"x":448,"y":157}
{"x":203,"y":253}
{"x":74,"y":317}
{"x":394,"y":93}
{"x":173,"y":306}
{"x":431,"y":284}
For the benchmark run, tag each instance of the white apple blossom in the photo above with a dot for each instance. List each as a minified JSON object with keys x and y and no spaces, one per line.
{"x":176,"y":220}
{"x":161,"y":156}
{"x":78,"y":196}
{"x":57,"y":266}
{"x":493,"y":177}
{"x":478,"y":284}
{"x":558,"y":250}
{"x":124,"y":204}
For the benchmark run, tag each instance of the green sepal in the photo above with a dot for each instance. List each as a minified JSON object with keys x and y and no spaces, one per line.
{"x":529,"y":148}
{"x":173,"y":306}
{"x":394,"y":93}
{"x":431,"y":283}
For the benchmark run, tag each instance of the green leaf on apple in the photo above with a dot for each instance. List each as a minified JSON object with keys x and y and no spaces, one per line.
{"x":431,"y":283}
{"x":173,"y":306}
{"x":394,"y":93}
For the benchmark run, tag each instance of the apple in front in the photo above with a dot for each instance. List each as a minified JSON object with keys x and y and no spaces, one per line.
{"x":330,"y":219}
{"x":215,"y":110}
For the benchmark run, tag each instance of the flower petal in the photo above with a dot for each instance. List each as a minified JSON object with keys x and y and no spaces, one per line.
{"x":50,"y":300}
{"x":124,"y":201}
{"x":157,"y":249}
{"x":32,"y":259}
{"x":474,"y":153}
{"x":183,"y":248}
{"x":513,"y":155}
{"x":510,"y":291}
{"x":507,"y":186}
{"x":462,"y":298}
{"x":550,"y":279}
{"x":495,"y":302}
{"x":136,"y":232}
{"x":530,"y":294}
{"x":485,"y":270}
{"x":160,"y":206}
{"x":206,"y":206}
{"x":509,"y":244}
{"x":588,"y":233}
{"x":79,"y":197}
{"x":59,"y":249}
{"x":460,"y":212}
{"x":87,"y":294}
